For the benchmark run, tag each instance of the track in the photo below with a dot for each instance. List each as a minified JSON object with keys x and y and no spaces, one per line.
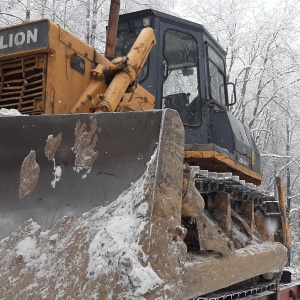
{"x":247,"y":208}
{"x":211,"y":183}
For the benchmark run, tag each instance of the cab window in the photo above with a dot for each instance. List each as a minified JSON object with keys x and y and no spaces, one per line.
{"x":180,"y":88}
{"x":216,"y":78}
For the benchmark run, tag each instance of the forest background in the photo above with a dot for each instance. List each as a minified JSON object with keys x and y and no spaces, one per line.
{"x":262,"y":40}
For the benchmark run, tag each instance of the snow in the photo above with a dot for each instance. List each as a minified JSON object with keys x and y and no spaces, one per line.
{"x":4,"y":112}
{"x":144,"y":279}
{"x":50,"y":153}
{"x":27,"y":249}
{"x":115,"y":247}
{"x":271,"y":226}
{"x":57,"y":175}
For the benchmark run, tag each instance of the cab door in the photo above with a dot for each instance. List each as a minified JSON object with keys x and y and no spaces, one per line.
{"x":178,"y":69}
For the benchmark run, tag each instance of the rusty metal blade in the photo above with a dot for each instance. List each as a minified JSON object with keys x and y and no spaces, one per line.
{"x":57,"y":165}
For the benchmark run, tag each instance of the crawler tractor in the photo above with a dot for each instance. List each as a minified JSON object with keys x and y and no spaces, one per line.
{"x":90,"y":128}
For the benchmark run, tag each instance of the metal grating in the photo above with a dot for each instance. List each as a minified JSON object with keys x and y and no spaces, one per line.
{"x":22,"y":84}
{"x":246,"y":293}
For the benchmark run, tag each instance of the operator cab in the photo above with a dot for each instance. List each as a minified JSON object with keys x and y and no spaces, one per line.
{"x":186,"y":71}
{"x":181,"y":80}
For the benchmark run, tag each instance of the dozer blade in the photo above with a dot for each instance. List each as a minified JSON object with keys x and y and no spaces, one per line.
{"x":130,"y":249}
{"x":64,"y":165}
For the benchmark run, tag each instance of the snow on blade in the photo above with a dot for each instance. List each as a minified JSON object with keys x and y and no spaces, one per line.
{"x":52,"y":144}
{"x":116,"y":247}
{"x":57,"y":175}
{"x":4,"y":112}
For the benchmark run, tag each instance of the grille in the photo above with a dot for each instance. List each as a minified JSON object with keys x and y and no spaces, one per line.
{"x":22,"y":85}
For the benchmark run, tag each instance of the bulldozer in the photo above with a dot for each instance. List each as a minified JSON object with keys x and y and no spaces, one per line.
{"x":151,"y":126}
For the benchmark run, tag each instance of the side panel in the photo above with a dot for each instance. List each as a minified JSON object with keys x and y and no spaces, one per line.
{"x":222,"y":131}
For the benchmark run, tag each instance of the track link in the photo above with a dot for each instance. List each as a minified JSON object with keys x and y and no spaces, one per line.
{"x":210,"y":183}
{"x":245,"y":232}
{"x":247,"y":292}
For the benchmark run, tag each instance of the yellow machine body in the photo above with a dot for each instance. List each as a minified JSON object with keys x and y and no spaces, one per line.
{"x":47,"y":70}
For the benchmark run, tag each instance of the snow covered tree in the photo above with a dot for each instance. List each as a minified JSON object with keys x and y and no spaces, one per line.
{"x":85,"y":18}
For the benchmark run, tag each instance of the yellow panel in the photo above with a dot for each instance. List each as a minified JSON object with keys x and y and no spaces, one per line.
{"x":64,"y":83}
